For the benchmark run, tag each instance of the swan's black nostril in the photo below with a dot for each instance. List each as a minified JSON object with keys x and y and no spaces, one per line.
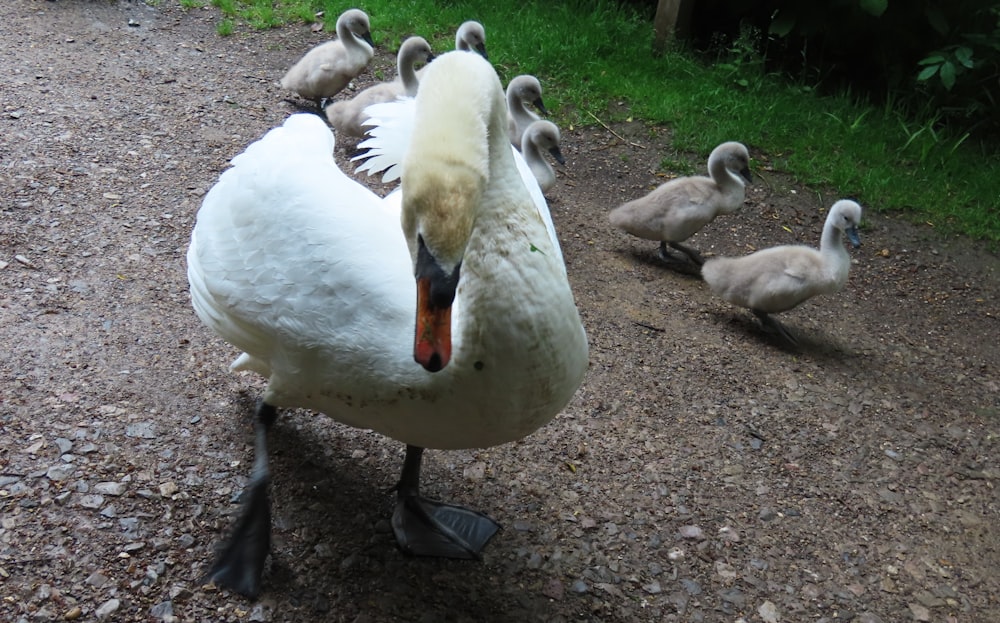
{"x":434,"y":364}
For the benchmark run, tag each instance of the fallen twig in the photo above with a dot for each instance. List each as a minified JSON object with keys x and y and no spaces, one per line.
{"x":620,"y":137}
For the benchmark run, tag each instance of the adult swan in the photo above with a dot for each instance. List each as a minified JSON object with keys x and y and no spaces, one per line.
{"x":311,"y":275}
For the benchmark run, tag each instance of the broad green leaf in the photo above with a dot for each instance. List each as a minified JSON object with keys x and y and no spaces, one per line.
{"x":964,"y":56}
{"x":927,"y":72}
{"x":937,"y":59}
{"x":948,"y":75}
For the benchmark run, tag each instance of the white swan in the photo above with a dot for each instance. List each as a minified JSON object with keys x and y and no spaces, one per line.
{"x":327,"y":68}
{"x":310,"y":274}
{"x":523,"y":90}
{"x":777,"y":279}
{"x":678,"y":209}
{"x":542,"y":135}
{"x":348,"y":116}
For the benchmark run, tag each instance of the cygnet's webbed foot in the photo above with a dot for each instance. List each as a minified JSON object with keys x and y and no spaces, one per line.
{"x":773,"y":326}
{"x":691,"y":254}
{"x":427,"y":528}
{"x":681,"y":263}
{"x":239,"y":563}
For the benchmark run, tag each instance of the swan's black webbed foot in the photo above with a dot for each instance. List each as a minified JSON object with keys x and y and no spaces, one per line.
{"x":239,"y":562}
{"x":427,"y":528}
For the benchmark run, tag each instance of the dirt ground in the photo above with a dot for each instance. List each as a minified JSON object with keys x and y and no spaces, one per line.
{"x":703,"y":472}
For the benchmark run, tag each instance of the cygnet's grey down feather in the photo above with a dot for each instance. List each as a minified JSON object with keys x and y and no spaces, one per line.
{"x":523,"y":90}
{"x":348,"y":116}
{"x":327,"y":68}
{"x":542,"y":135}
{"x":678,"y":209}
{"x":779,"y":278}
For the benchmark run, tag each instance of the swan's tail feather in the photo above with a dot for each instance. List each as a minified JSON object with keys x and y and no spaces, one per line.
{"x":391,"y":129}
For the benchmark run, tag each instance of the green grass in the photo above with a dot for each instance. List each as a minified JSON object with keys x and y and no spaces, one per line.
{"x":591,"y":52}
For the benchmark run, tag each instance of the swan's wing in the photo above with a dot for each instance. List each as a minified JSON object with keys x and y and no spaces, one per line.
{"x":289,"y":254}
{"x":392,"y":126}
{"x":536,"y":195}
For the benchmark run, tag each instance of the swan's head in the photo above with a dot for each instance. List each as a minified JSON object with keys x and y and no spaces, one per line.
{"x":734,"y":157}
{"x":356,"y":21}
{"x":544,"y":135}
{"x":846,"y":216}
{"x":526,"y":89}
{"x":471,"y":37}
{"x":445,"y":172}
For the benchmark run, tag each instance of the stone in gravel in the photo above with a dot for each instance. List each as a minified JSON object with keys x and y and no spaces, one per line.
{"x":691,"y":587}
{"x":73,"y":613}
{"x":919,"y":612}
{"x":110,"y":488}
{"x":768,"y":612}
{"x":142,"y":430}
{"x":725,"y":570}
{"x":553,"y":589}
{"x":162,"y":610}
{"x":733,"y":595}
{"x":60,"y":472}
{"x":579,"y":586}
{"x":168,"y":489}
{"x":64,"y":445}
{"x":107,"y":608}
{"x":92,"y":501}
{"x":767,"y":514}
{"x":653,"y":588}
{"x":691,"y":532}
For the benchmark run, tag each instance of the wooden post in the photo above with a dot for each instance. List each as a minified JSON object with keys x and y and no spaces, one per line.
{"x":670,"y":21}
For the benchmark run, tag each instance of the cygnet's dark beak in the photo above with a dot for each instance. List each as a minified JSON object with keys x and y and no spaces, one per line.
{"x":853,"y":236}
{"x":540,"y":106}
{"x":745,"y":172}
{"x":557,"y":154}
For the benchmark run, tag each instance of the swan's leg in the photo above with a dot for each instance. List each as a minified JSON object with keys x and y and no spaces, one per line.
{"x":427,"y":528}
{"x":692,"y":254}
{"x":773,"y":325}
{"x":239,"y":562}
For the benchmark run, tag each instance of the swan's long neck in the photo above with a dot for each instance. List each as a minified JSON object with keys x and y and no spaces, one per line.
{"x":407,"y":73}
{"x":533,"y":156}
{"x":728,"y":180}
{"x":349,"y":39}
{"x":837,"y":261}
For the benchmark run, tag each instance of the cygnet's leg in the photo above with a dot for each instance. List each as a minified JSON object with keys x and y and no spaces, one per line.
{"x":427,"y":528}
{"x":773,"y":325}
{"x":239,"y":562}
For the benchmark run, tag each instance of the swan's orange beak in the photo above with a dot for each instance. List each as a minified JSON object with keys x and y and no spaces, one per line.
{"x":436,"y":291}
{"x":432,"y":346}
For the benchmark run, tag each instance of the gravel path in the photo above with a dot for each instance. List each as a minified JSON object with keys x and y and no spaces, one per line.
{"x":702,"y":472}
